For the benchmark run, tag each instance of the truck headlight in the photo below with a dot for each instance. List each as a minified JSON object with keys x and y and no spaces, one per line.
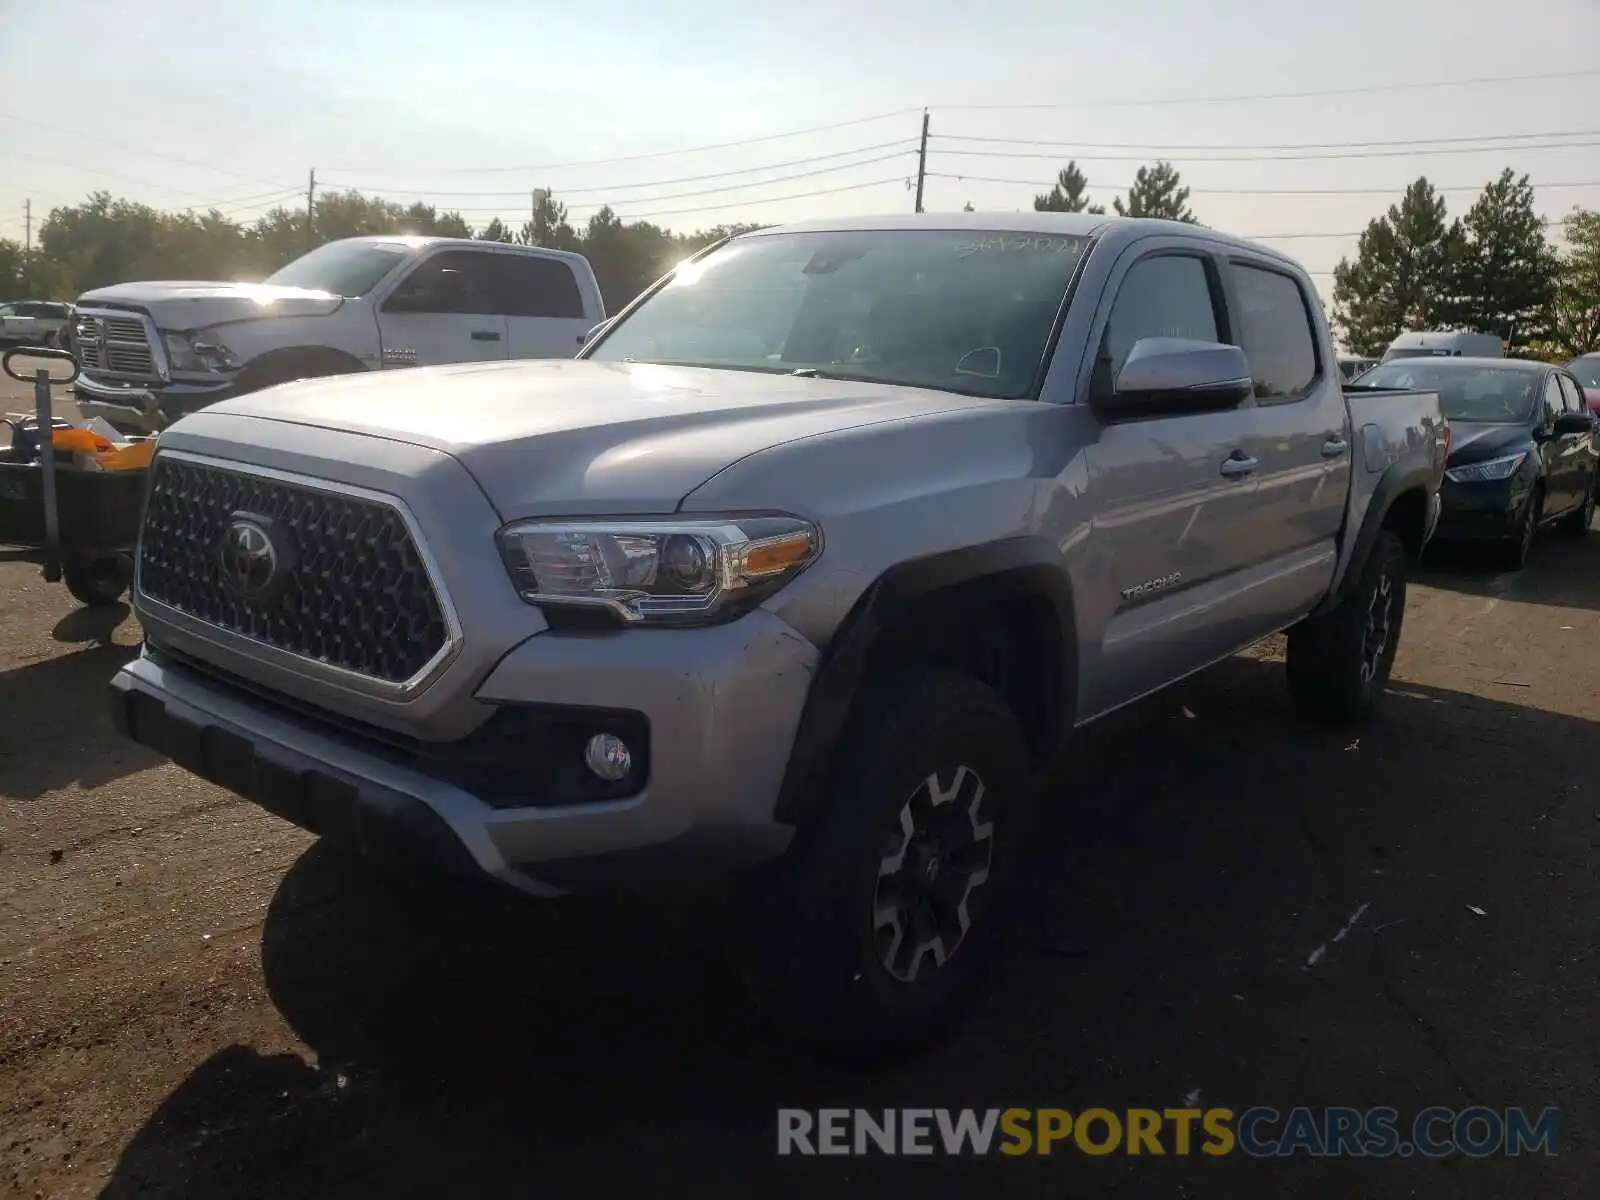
{"x":199,"y":352}
{"x":658,"y":571}
{"x":1487,"y":471}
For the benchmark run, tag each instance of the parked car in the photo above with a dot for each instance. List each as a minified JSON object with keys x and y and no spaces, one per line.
{"x":35,"y":323}
{"x":1445,"y":344}
{"x":356,"y":305}
{"x":1586,"y":370}
{"x":1522,"y":448}
{"x":801,"y":572}
{"x":1353,"y":368}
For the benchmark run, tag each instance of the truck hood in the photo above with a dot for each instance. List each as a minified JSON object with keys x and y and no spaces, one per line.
{"x":198,"y":305}
{"x":567,"y":436}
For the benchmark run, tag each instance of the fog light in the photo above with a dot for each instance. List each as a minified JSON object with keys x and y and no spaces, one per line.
{"x":608,"y":757}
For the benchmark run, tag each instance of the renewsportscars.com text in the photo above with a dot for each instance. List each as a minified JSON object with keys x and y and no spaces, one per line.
{"x":1258,"y":1132}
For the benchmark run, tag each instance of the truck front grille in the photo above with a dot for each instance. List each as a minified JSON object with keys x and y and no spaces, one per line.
{"x":114,"y":346}
{"x":354,"y":593}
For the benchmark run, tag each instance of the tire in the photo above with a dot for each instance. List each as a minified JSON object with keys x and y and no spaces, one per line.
{"x":1513,"y":554}
{"x":1577,"y":524}
{"x":1339,"y":662}
{"x":98,"y":582}
{"x":824,"y":936}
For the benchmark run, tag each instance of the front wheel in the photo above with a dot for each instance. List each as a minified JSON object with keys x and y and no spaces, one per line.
{"x":875,"y":930}
{"x":97,"y":581}
{"x":1339,"y":662}
{"x":1513,"y":555}
{"x":1577,"y":524}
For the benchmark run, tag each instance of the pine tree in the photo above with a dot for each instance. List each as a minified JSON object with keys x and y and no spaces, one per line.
{"x":1404,"y":275}
{"x":1157,"y":192}
{"x":1504,"y":277}
{"x":1066,"y":195}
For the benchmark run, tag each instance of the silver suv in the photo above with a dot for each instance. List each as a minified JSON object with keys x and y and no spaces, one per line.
{"x":799,"y":572}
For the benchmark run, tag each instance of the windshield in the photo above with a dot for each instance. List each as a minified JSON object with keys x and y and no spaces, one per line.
{"x":959,"y":310}
{"x":1487,"y":395}
{"x":1586,"y":371}
{"x":342,"y":268}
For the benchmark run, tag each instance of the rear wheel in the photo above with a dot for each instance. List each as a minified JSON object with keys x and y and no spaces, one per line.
{"x":1339,"y":662}
{"x":875,"y":930}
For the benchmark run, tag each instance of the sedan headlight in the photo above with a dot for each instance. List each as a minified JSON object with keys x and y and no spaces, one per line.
{"x":1487,"y":471}
{"x":666,"y":571}
{"x":199,"y":352}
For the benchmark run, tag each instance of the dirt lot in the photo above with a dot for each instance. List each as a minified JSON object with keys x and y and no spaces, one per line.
{"x":197,"y":1000}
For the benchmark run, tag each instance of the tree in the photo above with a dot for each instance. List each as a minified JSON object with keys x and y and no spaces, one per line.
{"x":1504,"y":274}
{"x":1575,"y":308}
{"x":1404,"y":273}
{"x":496,"y":231}
{"x":549,"y":227}
{"x":1066,"y":195}
{"x":1156,"y":192}
{"x":11,"y":270}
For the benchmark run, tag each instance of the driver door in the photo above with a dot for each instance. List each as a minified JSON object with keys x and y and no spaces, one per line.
{"x":446,"y":310}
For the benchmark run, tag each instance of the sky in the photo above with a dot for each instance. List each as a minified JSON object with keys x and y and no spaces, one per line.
{"x":1293,"y":123}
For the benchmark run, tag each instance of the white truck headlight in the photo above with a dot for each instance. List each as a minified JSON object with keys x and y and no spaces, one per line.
{"x":1488,"y":471}
{"x":198,"y":351}
{"x":659,"y":571}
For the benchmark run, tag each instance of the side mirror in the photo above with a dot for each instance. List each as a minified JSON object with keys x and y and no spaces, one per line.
{"x":1574,"y":423}
{"x":1179,"y":375}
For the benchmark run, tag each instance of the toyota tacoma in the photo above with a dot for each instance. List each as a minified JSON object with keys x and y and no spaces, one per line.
{"x":795,"y":577}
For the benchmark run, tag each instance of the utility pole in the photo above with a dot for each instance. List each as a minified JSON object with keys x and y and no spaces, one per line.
{"x":27,"y":248}
{"x":922,"y":159}
{"x":311,"y":199}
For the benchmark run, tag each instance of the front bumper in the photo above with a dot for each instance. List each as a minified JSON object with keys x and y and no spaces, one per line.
{"x":1481,"y":511}
{"x":722,"y":706}
{"x":145,"y":408}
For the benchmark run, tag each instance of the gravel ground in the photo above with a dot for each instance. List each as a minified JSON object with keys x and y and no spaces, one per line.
{"x":197,"y":1000}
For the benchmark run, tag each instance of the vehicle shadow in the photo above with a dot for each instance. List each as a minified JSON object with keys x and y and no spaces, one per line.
{"x":56,"y":727}
{"x":1562,"y":572}
{"x":1194,"y":852}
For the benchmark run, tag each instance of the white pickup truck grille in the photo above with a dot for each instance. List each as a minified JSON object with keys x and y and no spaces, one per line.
{"x":117,"y":346}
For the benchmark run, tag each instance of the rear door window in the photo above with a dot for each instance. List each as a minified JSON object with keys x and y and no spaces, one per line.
{"x":533,"y":286}
{"x":1275,"y":331}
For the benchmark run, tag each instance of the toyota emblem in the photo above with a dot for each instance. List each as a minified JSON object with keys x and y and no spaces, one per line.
{"x":252,"y":557}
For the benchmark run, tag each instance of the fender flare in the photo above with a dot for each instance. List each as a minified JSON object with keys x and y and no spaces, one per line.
{"x":1399,"y":479}
{"x":1025,"y":566}
{"x":322,"y":356}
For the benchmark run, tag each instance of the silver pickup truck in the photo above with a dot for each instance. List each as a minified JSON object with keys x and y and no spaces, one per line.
{"x":795,"y":576}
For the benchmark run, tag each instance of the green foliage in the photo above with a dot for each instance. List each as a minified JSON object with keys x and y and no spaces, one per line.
{"x":1157,"y":191}
{"x":1575,"y":309}
{"x":1503,"y":277}
{"x":106,"y":240}
{"x":1406,"y":269}
{"x":1067,"y":194}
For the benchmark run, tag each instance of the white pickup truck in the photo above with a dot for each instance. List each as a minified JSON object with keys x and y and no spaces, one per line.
{"x":151,"y":352}
{"x":34,"y":323}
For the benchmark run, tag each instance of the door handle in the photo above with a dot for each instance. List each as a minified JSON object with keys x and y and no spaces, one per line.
{"x":485,"y":335}
{"x":1334,"y":447}
{"x":1237,"y":465}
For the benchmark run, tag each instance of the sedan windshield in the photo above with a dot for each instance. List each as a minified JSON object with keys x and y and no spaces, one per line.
{"x":959,"y":310}
{"x":341,"y":268}
{"x":1487,"y":395}
{"x":1587,"y":371}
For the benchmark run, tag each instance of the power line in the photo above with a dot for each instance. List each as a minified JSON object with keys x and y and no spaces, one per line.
{"x":849,"y":187}
{"x":604,"y":162}
{"x":60,"y":162}
{"x":1210,"y":191}
{"x":1372,"y":89}
{"x":1151,"y":146}
{"x":148,"y":153}
{"x":899,"y":144}
{"x":1546,"y":222}
{"x":1184,"y":158}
